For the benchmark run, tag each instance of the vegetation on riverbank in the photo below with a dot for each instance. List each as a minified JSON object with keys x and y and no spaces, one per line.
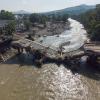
{"x":42,"y":18}
{"x":91,"y":21}
{"x":7,"y":23}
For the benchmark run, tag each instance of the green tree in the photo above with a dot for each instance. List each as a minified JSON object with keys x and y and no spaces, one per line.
{"x":34,"y":18}
{"x":10,"y":28}
{"x":27,"y":24}
{"x":64,"y":17}
{"x":38,"y":18}
{"x":96,"y":33}
{"x":91,"y":21}
{"x":5,"y":15}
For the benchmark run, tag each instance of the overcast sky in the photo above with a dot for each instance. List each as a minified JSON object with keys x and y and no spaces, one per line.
{"x":42,"y":5}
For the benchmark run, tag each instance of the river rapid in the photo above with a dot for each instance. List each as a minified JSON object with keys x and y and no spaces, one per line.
{"x":73,"y":38}
{"x":50,"y":82}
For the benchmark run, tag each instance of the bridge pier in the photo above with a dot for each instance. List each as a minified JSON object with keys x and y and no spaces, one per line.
{"x":92,"y":59}
{"x":20,"y":50}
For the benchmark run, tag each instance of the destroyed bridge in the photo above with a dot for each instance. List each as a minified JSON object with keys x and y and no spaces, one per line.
{"x":89,"y":49}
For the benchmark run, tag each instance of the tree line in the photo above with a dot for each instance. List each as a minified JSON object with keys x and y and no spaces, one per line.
{"x":43,"y":18}
{"x":10,"y":26}
{"x":91,"y":21}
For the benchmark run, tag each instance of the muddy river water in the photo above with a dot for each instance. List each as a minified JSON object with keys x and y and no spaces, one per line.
{"x":50,"y":82}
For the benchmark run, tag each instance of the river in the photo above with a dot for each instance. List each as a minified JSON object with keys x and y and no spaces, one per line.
{"x":74,"y":37}
{"x":50,"y":82}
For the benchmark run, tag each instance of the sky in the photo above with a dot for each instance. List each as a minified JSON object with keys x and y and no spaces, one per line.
{"x":42,"y":5}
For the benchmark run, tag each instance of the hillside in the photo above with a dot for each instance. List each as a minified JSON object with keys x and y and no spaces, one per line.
{"x":73,"y":10}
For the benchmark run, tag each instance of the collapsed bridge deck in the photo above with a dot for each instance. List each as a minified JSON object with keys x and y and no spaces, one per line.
{"x":51,"y":52}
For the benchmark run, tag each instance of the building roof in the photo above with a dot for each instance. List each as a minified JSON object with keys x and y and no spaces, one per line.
{"x":3,"y":23}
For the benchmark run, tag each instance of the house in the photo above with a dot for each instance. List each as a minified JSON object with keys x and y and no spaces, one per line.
{"x":3,"y":24}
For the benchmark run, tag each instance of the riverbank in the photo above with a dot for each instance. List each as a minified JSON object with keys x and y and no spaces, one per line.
{"x":38,"y":30}
{"x":52,"y":28}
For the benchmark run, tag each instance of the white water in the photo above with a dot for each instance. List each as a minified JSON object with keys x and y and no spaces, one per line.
{"x":75,"y":36}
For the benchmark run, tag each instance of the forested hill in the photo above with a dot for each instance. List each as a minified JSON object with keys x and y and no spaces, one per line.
{"x":91,"y":21}
{"x":73,"y":10}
